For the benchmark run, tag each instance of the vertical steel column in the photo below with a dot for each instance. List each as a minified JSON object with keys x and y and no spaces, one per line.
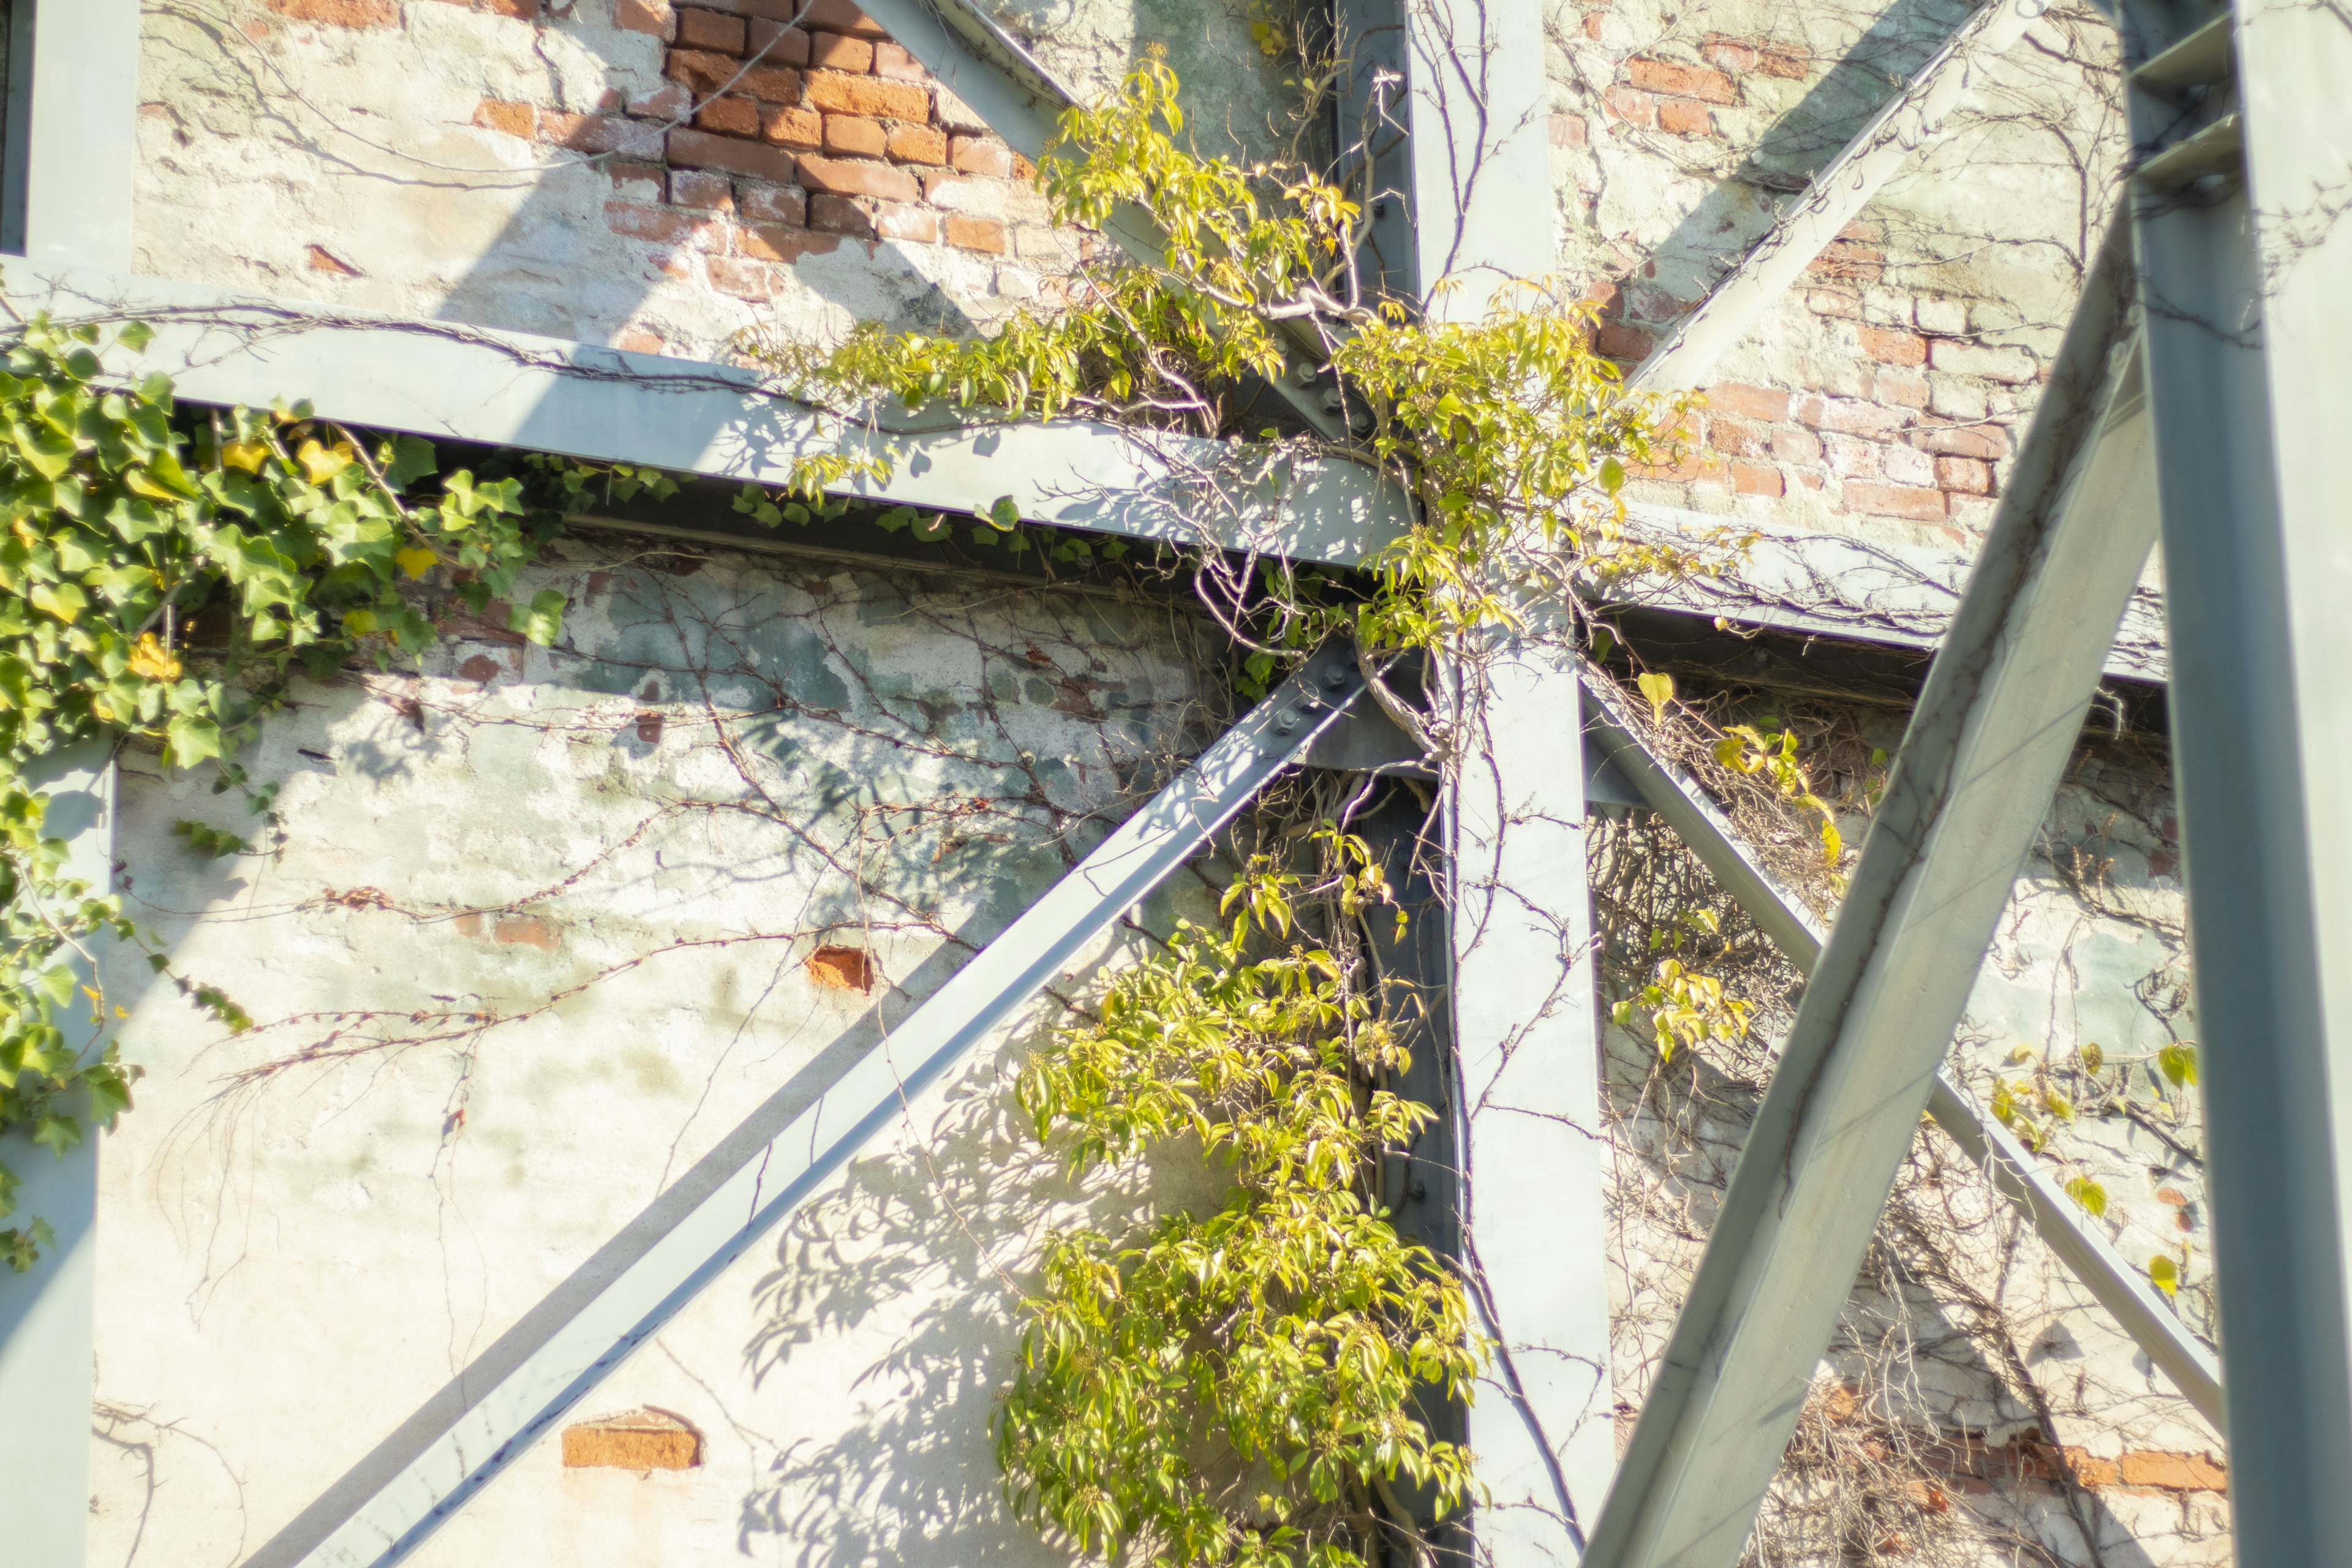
{"x":1527,"y":1049}
{"x":47,"y":1314}
{"x":85,"y":130}
{"x":2249,"y":338}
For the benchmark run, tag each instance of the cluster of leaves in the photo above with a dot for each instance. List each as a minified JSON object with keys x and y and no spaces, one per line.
{"x":2034,"y":1099}
{"x":1771,"y":756}
{"x":1241,"y":1385}
{"x":166,"y":578}
{"x":1683,"y":1006}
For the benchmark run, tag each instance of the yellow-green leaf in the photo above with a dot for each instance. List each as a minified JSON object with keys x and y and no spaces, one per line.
{"x":414,"y":561}
{"x":1660,"y":691}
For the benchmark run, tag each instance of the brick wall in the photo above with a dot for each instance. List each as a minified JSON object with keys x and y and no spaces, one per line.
{"x":783,"y":131}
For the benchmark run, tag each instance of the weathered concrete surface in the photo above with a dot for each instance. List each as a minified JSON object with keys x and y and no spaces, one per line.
{"x":531,"y":931}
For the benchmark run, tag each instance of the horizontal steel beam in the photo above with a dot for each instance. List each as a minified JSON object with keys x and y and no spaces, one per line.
{"x":445,"y":379}
{"x":2114,"y":1283}
{"x":361,"y":1525}
{"x":1989,"y":739}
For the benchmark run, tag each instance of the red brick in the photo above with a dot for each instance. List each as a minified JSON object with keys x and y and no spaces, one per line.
{"x":653,"y":16}
{"x":1743,"y":55}
{"x":769,"y":10}
{"x":895,"y":220}
{"x":636,"y":182}
{"x":637,"y":341}
{"x":340,"y":12}
{"x":2090,"y":1471}
{"x":1892,"y":345}
{"x":839,"y":215}
{"x":831,"y":51}
{"x":1756,"y":479}
{"x":1849,"y":259}
{"x":1964,"y":474}
{"x":1853,"y":415}
{"x":978,"y":155}
{"x":2177,"y":1472}
{"x":657,"y":224}
{"x":842,"y":16}
{"x":838,"y":92}
{"x":666,"y":101}
{"x":918,"y":144}
{"x":854,"y":137}
{"x":519,"y":10}
{"x":706,"y":193}
{"x":772,"y":244}
{"x":743,"y":279}
{"x":1681,"y":81}
{"x":772,"y":84}
{"x":1569,"y":131}
{"x":698,"y":150}
{"x":507,"y":119}
{"x":1619,"y":342}
{"x":699,"y":69}
{"x":1730,"y":436}
{"x":1983,"y":441}
{"x":600,"y":133}
{"x":802,"y":129}
{"x":1908,"y":387}
{"x":325,"y":261}
{"x":1896,"y":500}
{"x":1632,"y":108}
{"x":838,"y":177}
{"x":699,"y":29}
{"x":1768,"y":403}
{"x":775,"y":45}
{"x":643,"y":1440}
{"x":773,"y":204}
{"x":970,"y":233}
{"x":729,"y":116}
{"x":1683,"y":118}
{"x":898,"y":64}
{"x":1792,"y":445}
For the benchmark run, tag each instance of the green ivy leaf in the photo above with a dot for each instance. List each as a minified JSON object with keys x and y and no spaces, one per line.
{"x":541,"y":620}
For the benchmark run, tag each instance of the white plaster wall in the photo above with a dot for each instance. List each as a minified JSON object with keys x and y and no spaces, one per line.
{"x":527,"y":940}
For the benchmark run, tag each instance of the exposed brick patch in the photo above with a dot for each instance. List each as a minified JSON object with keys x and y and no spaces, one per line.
{"x":659,"y":226}
{"x":845,"y":177}
{"x":778,"y":243}
{"x":1569,"y":131}
{"x":774,"y":205}
{"x":752,"y":280}
{"x":321,"y":259}
{"x":836,"y":93}
{"x":846,"y":968}
{"x":1618,"y":341}
{"x":832,"y":51}
{"x":839,"y":215}
{"x":1756,"y":479}
{"x":508,"y":119}
{"x":895,"y":63}
{"x":1734,"y":438}
{"x":900,"y":220}
{"x":637,"y":341}
{"x":640,"y":1440}
{"x":802,"y":130}
{"x":1633,"y":107}
{"x":701,"y":189}
{"x":1672,"y":80}
{"x":515,"y":930}
{"x":854,"y":136}
{"x":979,"y":155}
{"x":918,"y":144}
{"x":340,"y":13}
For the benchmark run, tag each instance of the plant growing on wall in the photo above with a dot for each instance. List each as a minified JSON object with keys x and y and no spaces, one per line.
{"x":168,"y":582}
{"x":1239,"y":1385}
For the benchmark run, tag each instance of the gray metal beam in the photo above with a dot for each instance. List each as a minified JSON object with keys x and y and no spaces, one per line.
{"x":83,"y":161}
{"x":1836,"y":196}
{"x":1986,"y":743}
{"x":47,"y":1316}
{"x":2244,"y":249}
{"x":394,"y":1501}
{"x":2123,"y":1289}
{"x":443,"y":379}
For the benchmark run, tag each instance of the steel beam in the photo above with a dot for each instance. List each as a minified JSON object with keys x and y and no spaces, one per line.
{"x":2123,"y":1289}
{"x":1529,"y":1137}
{"x":395,"y":1500}
{"x":442,"y":379}
{"x":2244,"y":249}
{"x":1988,"y":740}
{"x":1836,"y":196}
{"x":47,"y":1316}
